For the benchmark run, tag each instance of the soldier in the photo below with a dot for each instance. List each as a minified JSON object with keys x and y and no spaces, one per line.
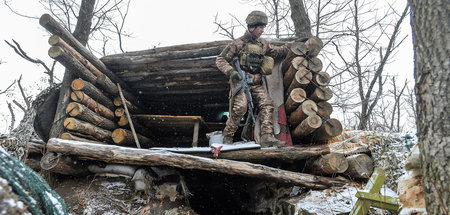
{"x":253,"y":54}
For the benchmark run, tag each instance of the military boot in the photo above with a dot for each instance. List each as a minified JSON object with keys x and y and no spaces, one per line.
{"x":227,"y":140}
{"x":268,"y":140}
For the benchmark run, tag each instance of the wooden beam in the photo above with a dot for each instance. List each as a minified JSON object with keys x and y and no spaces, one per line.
{"x":124,"y":155}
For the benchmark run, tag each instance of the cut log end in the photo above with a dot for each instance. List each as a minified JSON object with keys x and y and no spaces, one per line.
{"x":119,"y":112}
{"x":54,"y":40}
{"x":74,"y":109}
{"x":330,"y":164}
{"x":322,"y":79}
{"x":359,"y":166}
{"x":45,"y":18}
{"x":55,"y":51}
{"x":49,"y":160}
{"x":309,"y":107}
{"x":299,"y":62}
{"x":77,"y":84}
{"x":118,"y":102}
{"x":70,"y":123}
{"x":119,"y":136}
{"x":123,"y":121}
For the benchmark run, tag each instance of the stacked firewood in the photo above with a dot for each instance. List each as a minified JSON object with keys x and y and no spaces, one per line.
{"x":95,"y":112}
{"x":307,"y":93}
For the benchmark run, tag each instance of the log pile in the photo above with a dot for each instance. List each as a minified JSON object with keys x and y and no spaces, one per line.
{"x":307,"y":94}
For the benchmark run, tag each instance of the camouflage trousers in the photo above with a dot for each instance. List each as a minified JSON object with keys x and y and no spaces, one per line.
{"x":261,"y":100}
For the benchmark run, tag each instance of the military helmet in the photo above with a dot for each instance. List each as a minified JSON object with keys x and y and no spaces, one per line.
{"x":256,"y":18}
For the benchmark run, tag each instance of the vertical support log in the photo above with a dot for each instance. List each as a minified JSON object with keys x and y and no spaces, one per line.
{"x":296,"y":97}
{"x":307,"y":126}
{"x":330,"y":164}
{"x":307,"y":108}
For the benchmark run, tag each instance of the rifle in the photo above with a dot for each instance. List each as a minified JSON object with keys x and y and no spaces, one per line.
{"x":244,"y":84}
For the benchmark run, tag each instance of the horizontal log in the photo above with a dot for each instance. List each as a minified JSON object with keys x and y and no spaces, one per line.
{"x":80,"y":111}
{"x":54,"y":27}
{"x":63,"y":164}
{"x":70,"y":136}
{"x":295,"y":98}
{"x":124,"y":137}
{"x":286,"y":154}
{"x":301,"y":79}
{"x":296,"y":64}
{"x":359,"y":166}
{"x":295,"y":49}
{"x":131,"y":107}
{"x":81,"y":97}
{"x":324,"y":109}
{"x":321,"y":94}
{"x":307,"y":126}
{"x":315,"y":65}
{"x":314,"y":45}
{"x":330,"y":128}
{"x":321,"y":79}
{"x":330,"y":164}
{"x":124,"y":155}
{"x":92,"y":91}
{"x":76,"y":125}
{"x":182,"y":47}
{"x":307,"y":108}
{"x":165,"y":65}
{"x":158,"y":56}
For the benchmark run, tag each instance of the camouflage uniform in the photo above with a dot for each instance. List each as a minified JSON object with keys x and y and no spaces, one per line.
{"x":261,"y":99}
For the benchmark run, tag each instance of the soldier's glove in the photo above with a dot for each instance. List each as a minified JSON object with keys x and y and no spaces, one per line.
{"x":235,"y":77}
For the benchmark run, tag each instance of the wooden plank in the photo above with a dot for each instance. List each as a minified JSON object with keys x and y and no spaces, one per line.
{"x":380,"y":201}
{"x":195,"y":137}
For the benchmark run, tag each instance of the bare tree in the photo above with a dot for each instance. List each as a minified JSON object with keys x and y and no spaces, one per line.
{"x":397,"y":94}
{"x":358,"y":66}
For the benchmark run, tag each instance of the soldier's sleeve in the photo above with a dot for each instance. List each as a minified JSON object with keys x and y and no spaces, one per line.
{"x":277,"y":51}
{"x":224,"y":58}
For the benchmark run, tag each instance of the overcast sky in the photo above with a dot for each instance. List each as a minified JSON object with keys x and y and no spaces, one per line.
{"x":152,"y":23}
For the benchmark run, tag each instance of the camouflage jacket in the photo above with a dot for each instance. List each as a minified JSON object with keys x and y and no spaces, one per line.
{"x":232,"y":50}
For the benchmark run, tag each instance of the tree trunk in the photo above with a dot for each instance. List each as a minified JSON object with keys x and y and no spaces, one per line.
{"x":81,"y":97}
{"x":300,"y":18}
{"x":330,"y":164}
{"x":87,"y":128}
{"x":123,"y":155}
{"x":80,"y":111}
{"x":359,"y":166}
{"x":430,"y":24}
{"x":296,"y":97}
